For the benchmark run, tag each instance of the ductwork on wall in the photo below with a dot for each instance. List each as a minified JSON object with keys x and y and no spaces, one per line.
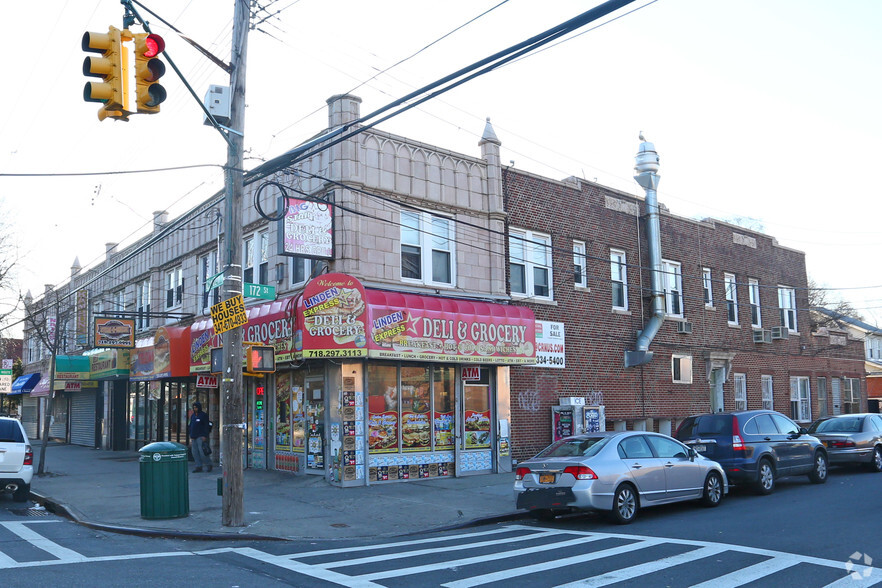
{"x":647,"y":164}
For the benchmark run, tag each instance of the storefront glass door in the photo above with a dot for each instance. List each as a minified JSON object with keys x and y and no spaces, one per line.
{"x":315,"y":424}
{"x":256,"y":447}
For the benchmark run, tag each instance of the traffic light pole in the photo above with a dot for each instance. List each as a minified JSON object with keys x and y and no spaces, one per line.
{"x":233,"y":405}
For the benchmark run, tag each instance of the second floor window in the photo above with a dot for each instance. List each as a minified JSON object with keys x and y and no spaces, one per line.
{"x":174,"y":287}
{"x":753,"y":291}
{"x":731,"y":299}
{"x":530,"y":263}
{"x":673,"y":285}
{"x":301,"y":269}
{"x":208,"y":269}
{"x":427,"y":248}
{"x":255,"y":258}
{"x":787,"y":304}
{"x":619,"y":279}
{"x":707,"y":287}
{"x":580,"y":266}
{"x":681,"y":369}
{"x":142,"y":304}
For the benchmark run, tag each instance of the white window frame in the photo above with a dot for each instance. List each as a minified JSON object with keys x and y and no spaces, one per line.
{"x":787,"y":306}
{"x":731,"y":288}
{"x":768,"y":392}
{"x":672,"y":278}
{"x":255,"y":258}
{"x":681,"y":368}
{"x":800,"y":399}
{"x":822,"y":396}
{"x":142,"y":304}
{"x":756,"y":312}
{"x":740,"y":389}
{"x":307,"y":265}
{"x":422,"y":231}
{"x":207,"y":268}
{"x":580,"y":264}
{"x":851,"y":395}
{"x":531,"y":252}
{"x":618,"y":270}
{"x":707,"y":286}
{"x":174,"y":287}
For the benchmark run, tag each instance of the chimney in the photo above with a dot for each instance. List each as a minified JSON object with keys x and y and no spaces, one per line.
{"x":343,"y":109}
{"x":160,"y":219}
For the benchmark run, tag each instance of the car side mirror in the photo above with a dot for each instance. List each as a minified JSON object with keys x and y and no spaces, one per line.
{"x":803,"y":431}
{"x":692,"y":454}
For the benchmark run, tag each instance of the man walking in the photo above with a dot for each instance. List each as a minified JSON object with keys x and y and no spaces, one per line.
{"x":199,"y":430}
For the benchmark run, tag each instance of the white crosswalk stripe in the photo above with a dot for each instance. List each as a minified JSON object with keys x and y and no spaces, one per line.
{"x":496,"y":555}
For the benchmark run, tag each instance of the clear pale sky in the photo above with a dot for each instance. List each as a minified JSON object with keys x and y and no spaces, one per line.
{"x":764,"y":110}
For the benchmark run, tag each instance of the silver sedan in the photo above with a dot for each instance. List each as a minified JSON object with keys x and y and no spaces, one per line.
{"x":617,"y":472}
{"x":851,"y":438}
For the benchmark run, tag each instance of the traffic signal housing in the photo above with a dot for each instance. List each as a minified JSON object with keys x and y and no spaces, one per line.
{"x":113,"y":69}
{"x":148,"y":69}
{"x":260,"y":359}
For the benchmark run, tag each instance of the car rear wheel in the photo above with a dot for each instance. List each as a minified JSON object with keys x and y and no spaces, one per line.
{"x":818,"y":475}
{"x":625,"y":504}
{"x":765,"y":477}
{"x":22,"y":493}
{"x":713,"y":490}
{"x":876,"y":463}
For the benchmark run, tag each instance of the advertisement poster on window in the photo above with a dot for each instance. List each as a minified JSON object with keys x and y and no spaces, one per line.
{"x":415,"y":431}
{"x":477,"y":429}
{"x":443,"y":430}
{"x":283,"y":411}
{"x":383,"y":432}
{"x":298,"y":434}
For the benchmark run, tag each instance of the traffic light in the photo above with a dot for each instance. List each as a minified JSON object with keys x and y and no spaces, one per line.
{"x":113,"y":68}
{"x":148,"y":69}
{"x":260,"y":359}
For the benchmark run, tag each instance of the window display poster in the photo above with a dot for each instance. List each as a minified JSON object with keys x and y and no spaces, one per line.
{"x":415,"y":431}
{"x":298,"y":433}
{"x":443,"y":430}
{"x":477,"y":429}
{"x":383,"y":432}
{"x":283,"y":411}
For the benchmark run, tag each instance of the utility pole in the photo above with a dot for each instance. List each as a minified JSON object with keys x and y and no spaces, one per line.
{"x":233,"y":417}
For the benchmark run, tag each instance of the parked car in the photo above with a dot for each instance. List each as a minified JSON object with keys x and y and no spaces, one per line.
{"x":16,"y":460}
{"x":756,"y":447}
{"x":851,"y":438}
{"x":617,"y":472}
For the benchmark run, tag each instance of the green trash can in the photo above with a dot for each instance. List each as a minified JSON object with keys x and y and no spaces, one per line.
{"x":165,"y":487}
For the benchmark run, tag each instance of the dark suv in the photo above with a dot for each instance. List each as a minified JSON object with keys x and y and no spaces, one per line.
{"x":756,"y":446}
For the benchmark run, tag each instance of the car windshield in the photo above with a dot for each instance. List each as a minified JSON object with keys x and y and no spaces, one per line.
{"x":574,"y":446}
{"x":841,"y":425}
{"x":10,"y":432}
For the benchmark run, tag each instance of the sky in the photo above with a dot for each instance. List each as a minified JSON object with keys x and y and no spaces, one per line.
{"x":763,"y":112}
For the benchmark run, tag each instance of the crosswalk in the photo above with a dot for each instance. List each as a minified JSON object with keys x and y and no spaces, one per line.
{"x":539,"y":555}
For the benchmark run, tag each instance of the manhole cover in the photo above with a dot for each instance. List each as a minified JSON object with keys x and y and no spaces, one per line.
{"x":30,"y":512}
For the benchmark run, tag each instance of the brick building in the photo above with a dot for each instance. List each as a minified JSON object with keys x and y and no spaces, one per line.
{"x":723,"y":344}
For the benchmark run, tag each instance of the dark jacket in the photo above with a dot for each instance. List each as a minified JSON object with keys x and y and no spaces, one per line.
{"x":199,"y":425}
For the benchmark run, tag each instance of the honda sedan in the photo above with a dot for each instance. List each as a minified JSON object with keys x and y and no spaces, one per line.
{"x":616,"y":472}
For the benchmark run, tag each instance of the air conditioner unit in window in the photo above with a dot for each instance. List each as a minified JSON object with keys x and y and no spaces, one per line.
{"x":762,"y":336}
{"x":780,"y":333}
{"x":684,"y":327}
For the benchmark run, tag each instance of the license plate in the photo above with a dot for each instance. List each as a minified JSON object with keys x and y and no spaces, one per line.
{"x":546,"y":478}
{"x":700,"y":448}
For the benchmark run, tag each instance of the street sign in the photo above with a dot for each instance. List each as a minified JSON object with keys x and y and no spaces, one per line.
{"x":259,"y":291}
{"x":228,"y":314}
{"x":215,"y":281}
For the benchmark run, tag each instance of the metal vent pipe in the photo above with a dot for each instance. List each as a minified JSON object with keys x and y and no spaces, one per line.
{"x":647,"y":164}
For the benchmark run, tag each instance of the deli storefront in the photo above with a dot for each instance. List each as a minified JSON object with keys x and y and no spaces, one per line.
{"x":374,"y":386}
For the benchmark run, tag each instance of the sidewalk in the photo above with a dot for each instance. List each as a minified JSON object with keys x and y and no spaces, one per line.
{"x":102,"y":489}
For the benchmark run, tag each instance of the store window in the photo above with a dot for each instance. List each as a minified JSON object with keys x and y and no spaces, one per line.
{"x":476,"y":402}
{"x":410,"y":408}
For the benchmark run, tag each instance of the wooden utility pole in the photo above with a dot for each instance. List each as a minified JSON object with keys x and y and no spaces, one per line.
{"x":233,"y":416}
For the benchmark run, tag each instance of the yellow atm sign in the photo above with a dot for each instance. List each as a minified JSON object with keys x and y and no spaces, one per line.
{"x":228,"y":314}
